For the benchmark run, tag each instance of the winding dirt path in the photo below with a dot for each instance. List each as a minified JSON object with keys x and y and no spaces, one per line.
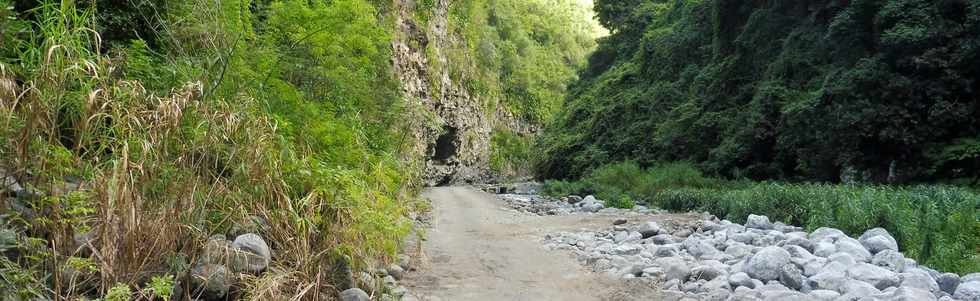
{"x":478,"y":250}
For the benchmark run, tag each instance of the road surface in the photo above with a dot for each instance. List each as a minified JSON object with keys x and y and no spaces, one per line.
{"x":477,"y":249}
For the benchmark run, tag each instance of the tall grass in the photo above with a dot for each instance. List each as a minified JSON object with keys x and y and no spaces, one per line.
{"x":162,"y":170}
{"x":936,"y":225}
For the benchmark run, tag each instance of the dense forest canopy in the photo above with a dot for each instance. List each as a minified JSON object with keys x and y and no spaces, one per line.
{"x":863,"y":90}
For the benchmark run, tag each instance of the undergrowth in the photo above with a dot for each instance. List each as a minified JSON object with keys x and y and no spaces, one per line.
{"x":134,"y":154}
{"x":937,"y":225}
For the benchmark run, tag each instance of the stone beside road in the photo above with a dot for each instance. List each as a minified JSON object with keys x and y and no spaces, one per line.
{"x":716,"y":259}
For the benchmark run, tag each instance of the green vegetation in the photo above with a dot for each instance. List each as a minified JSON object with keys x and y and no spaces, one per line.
{"x":217,"y":116}
{"x":874,"y":90}
{"x":521,"y":53}
{"x":936,"y":225}
{"x":510,"y":154}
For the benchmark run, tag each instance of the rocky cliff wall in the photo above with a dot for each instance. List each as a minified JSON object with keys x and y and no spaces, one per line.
{"x":454,"y":133}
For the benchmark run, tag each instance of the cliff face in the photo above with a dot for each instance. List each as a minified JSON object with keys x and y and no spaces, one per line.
{"x":453,"y":137}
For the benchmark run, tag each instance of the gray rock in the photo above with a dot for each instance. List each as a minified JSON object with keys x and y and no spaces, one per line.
{"x":798,"y":252}
{"x":665,"y":251}
{"x":574,"y":199}
{"x":758,"y":222}
{"x":889,"y":259}
{"x":592,"y":207}
{"x":252,"y":254}
{"x":389,"y":281}
{"x":855,"y":290}
{"x":791,"y":276}
{"x":739,"y":250}
{"x":948,"y":282}
{"x":662,"y":239}
{"x":970,"y":277}
{"x":396,"y":271}
{"x":619,"y":221}
{"x":854,"y":248}
{"x":911,"y":294}
{"x":828,"y":280}
{"x":767,"y":263}
{"x":405,"y":262}
{"x":698,"y":248}
{"x":826,"y":234}
{"x":784,"y":295}
{"x":920,"y":279}
{"x":649,"y":229}
{"x":705,"y":272}
{"x":801,"y":242}
{"x":683,"y":233}
{"x":741,"y":279}
{"x":877,"y":240}
{"x":824,"y":295}
{"x":354,"y":294}
{"x":879,"y":277}
{"x":824,"y":249}
{"x":211,"y":281}
{"x":843,"y":258}
{"x":674,"y":268}
{"x":814,"y":266}
{"x":744,"y":237}
{"x":967,"y":291}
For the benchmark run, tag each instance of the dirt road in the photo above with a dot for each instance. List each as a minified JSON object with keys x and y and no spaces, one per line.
{"x":476,"y":249}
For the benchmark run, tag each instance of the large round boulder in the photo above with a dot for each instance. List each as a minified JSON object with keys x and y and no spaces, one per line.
{"x":877,"y":240}
{"x":251,"y":254}
{"x":766,"y":265}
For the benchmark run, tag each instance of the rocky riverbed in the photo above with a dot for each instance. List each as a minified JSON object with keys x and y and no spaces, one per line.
{"x":714,"y":259}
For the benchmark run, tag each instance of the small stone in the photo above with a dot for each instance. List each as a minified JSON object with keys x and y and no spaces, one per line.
{"x":854,"y":248}
{"x":828,"y":280}
{"x":948,"y":282}
{"x":683,"y":233}
{"x":911,"y":294}
{"x":741,"y":279}
{"x":968,"y":291}
{"x":801,"y":242}
{"x":826,"y":234}
{"x":791,"y":277}
{"x":758,"y":222}
{"x":877,"y":276}
{"x":920,"y":279}
{"x":705,"y":272}
{"x":824,"y":295}
{"x":211,"y":280}
{"x":649,"y":229}
{"x":674,"y":268}
{"x":824,"y":249}
{"x":354,"y":294}
{"x":396,"y":271}
{"x":889,"y":259}
{"x":619,"y":221}
{"x":877,"y":240}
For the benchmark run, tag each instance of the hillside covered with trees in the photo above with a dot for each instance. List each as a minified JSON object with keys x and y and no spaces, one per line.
{"x":826,"y":90}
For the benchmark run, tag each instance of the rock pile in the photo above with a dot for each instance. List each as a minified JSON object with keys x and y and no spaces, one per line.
{"x":223,"y":260}
{"x":384,"y":280}
{"x":761,"y":260}
{"x":542,"y":205}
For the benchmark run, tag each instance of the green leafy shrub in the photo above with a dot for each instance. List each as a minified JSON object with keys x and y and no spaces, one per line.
{"x":783,"y":90}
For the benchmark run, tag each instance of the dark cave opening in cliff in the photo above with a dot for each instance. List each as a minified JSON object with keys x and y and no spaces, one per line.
{"x":445,"y":147}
